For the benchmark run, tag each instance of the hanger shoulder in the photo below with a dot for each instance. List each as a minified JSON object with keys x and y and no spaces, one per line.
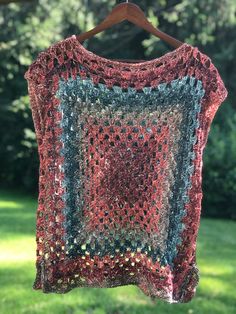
{"x":137,"y":17}
{"x":132,"y":13}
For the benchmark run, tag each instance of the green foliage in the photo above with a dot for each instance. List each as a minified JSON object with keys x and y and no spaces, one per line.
{"x":18,"y":149}
{"x":219,"y":179}
{"x":30,"y":27}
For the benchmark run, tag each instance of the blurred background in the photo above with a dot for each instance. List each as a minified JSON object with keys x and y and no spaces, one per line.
{"x":29,"y":27}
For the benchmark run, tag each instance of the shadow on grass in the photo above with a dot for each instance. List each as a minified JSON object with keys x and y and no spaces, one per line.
{"x":17,"y":214}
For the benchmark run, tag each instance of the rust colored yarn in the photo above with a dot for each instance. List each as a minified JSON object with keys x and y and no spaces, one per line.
{"x":120,"y":179}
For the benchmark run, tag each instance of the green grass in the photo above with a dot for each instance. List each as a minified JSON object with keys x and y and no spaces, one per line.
{"x":216,"y":259}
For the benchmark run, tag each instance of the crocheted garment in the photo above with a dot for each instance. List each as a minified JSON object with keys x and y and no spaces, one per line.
{"x":120,"y":147}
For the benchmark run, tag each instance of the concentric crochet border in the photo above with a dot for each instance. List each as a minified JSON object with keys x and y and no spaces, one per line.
{"x":72,"y":93}
{"x":69,"y":58}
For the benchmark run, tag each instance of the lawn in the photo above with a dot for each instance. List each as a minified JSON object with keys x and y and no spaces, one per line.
{"x":216,"y":258}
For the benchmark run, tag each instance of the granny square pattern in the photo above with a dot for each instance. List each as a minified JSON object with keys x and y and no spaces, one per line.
{"x":120,"y":147}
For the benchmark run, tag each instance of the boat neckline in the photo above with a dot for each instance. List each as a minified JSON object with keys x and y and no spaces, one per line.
{"x":90,"y":55}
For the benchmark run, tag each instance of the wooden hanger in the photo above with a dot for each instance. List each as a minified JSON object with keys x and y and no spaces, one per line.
{"x":132,"y":13}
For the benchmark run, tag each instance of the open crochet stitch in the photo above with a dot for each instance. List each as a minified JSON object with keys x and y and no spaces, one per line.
{"x":120,"y":147}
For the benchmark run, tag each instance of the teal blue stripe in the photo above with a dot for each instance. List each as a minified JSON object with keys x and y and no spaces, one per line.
{"x":185,"y":94}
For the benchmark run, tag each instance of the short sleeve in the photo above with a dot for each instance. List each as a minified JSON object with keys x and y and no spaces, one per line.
{"x":220,"y":92}
{"x":215,"y":87}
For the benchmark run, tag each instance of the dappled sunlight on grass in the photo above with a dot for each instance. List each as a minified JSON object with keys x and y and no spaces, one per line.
{"x":215,"y":285}
{"x":9,"y":204}
{"x":215,"y":258}
{"x":217,"y":269}
{"x":18,"y":249}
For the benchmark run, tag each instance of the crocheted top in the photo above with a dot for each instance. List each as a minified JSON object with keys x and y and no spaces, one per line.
{"x":120,"y":147}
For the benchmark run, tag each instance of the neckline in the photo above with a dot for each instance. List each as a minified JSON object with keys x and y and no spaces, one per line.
{"x":89,"y":55}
